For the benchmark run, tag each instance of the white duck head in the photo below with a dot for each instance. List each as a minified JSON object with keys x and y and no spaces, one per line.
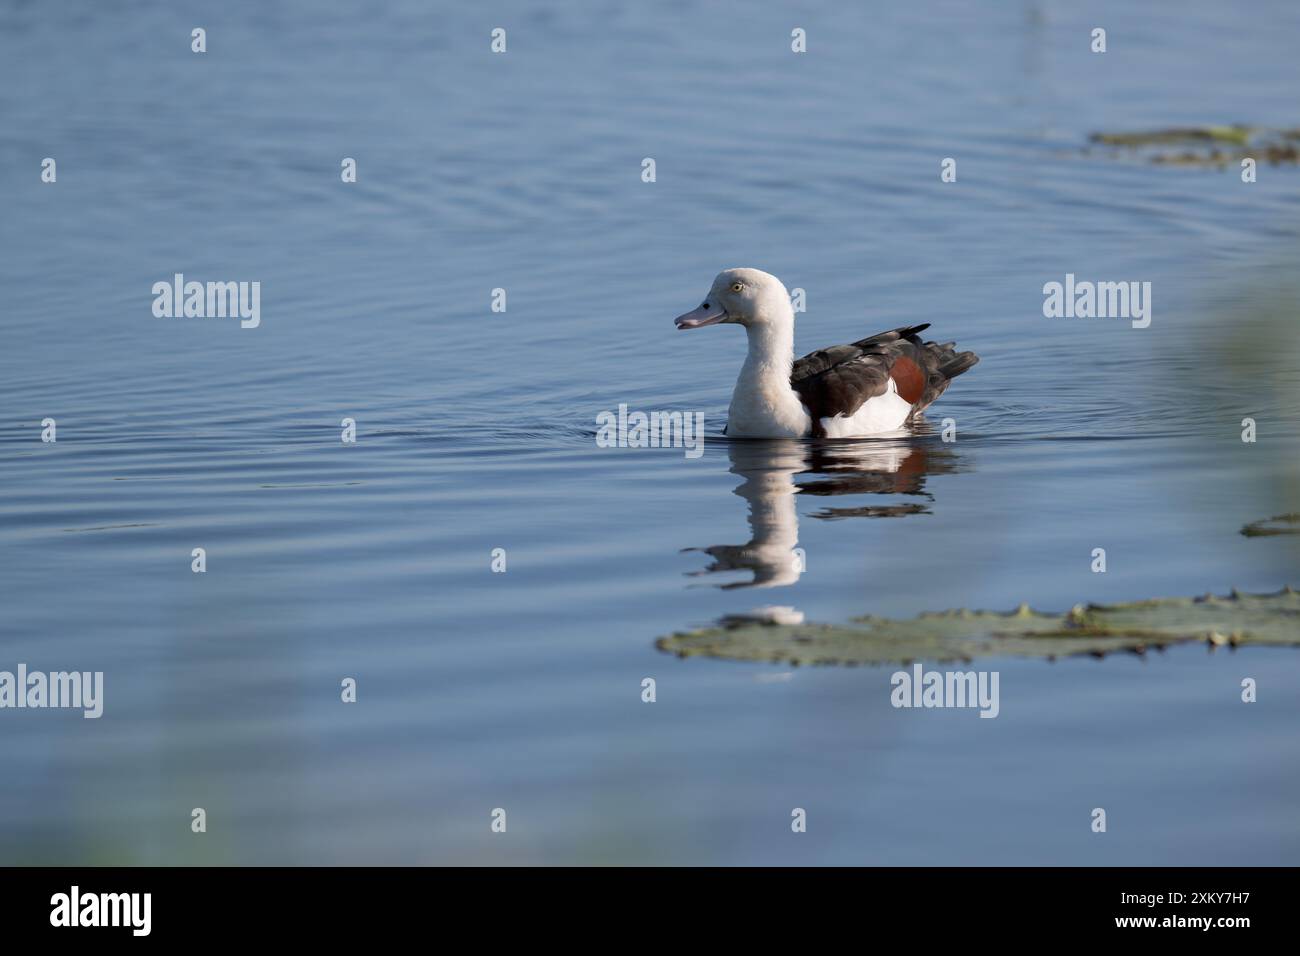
{"x":747,"y":297}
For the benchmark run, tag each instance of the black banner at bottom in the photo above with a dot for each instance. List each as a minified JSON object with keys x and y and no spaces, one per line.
{"x":338,"y":905}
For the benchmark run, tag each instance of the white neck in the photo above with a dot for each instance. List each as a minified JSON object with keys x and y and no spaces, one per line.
{"x":763,"y":404}
{"x":771,"y":353}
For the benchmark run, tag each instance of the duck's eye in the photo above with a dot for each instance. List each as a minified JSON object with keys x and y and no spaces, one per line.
{"x":737,"y":286}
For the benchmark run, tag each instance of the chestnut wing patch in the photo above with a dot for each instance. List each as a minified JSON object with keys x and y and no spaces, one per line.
{"x":908,"y":379}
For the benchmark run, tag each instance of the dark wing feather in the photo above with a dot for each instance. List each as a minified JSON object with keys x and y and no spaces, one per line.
{"x":840,"y":379}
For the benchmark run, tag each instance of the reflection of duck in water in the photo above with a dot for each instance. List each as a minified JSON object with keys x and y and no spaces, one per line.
{"x":769,"y":468}
{"x":876,"y":468}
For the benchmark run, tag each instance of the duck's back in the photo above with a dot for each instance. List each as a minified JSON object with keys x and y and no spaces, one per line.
{"x":876,"y":384}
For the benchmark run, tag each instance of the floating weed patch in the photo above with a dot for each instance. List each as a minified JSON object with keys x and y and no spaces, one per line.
{"x":962,"y":635}
{"x":1162,"y":137}
{"x":1206,"y":146}
{"x":1278,"y":524}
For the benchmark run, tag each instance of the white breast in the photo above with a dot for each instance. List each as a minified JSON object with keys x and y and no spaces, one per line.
{"x":767,"y":413}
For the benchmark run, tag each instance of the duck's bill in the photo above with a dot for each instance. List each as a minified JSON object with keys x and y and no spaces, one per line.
{"x":700,"y":317}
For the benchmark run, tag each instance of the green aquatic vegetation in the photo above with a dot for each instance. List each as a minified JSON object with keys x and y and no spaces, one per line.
{"x":962,"y":635}
{"x":1198,"y":134}
{"x":1205,"y":146}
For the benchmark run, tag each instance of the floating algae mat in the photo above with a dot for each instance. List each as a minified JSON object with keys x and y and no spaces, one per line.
{"x":1278,"y":524}
{"x":1207,"y":146}
{"x":1238,"y":619}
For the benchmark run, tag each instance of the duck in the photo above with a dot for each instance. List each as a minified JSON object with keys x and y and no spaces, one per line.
{"x":873,"y":386}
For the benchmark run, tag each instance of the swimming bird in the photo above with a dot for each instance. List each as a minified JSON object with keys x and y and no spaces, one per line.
{"x":877,"y":384}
